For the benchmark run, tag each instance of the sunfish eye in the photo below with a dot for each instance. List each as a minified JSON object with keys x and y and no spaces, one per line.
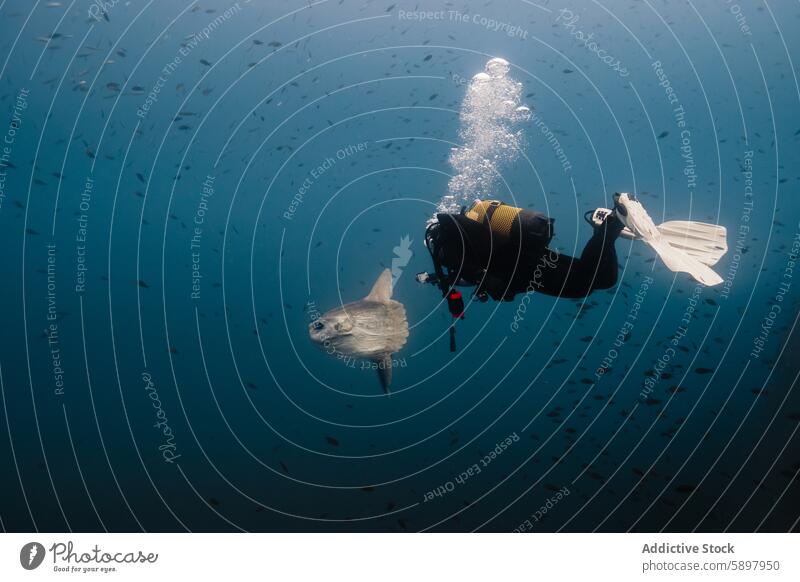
{"x":318,"y":325}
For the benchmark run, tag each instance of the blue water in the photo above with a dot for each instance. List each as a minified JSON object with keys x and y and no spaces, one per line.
{"x":185,"y":184}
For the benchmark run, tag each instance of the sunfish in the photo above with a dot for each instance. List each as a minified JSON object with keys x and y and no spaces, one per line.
{"x":372,"y":329}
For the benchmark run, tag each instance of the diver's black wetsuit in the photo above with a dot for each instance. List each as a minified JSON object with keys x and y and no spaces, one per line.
{"x":502,"y":269}
{"x":564,"y":276}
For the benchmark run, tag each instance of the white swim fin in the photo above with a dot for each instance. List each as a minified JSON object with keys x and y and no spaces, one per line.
{"x":684,"y":246}
{"x":679,"y":261}
{"x":705,"y":242}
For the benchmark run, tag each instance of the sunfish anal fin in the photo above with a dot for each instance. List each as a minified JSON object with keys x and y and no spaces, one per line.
{"x":385,"y":370}
{"x":382,"y":289}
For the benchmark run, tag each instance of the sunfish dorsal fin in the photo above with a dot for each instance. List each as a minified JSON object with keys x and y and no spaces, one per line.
{"x":382,"y":289}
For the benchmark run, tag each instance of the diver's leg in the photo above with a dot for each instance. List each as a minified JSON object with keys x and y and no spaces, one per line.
{"x":564,"y":276}
{"x":599,"y":257}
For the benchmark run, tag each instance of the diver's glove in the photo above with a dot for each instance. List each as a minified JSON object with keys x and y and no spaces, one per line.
{"x":606,"y":221}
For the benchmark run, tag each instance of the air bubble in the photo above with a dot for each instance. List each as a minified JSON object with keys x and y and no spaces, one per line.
{"x":497,"y":67}
{"x":488,"y":116}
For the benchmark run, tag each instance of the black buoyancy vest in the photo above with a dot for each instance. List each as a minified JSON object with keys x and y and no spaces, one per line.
{"x":492,"y":237}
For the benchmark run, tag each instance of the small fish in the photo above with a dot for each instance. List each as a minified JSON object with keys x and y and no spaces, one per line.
{"x":332,"y":441}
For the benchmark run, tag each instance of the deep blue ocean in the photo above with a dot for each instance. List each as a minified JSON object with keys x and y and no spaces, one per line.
{"x":186,"y":184}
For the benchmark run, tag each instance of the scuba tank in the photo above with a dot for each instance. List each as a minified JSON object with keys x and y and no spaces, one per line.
{"x":501,"y":235}
{"x":482,"y":246}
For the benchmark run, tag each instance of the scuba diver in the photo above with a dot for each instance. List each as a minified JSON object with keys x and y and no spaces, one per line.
{"x":502,"y":250}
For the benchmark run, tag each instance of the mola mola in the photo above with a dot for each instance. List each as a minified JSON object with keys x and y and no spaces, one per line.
{"x":372,"y":329}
